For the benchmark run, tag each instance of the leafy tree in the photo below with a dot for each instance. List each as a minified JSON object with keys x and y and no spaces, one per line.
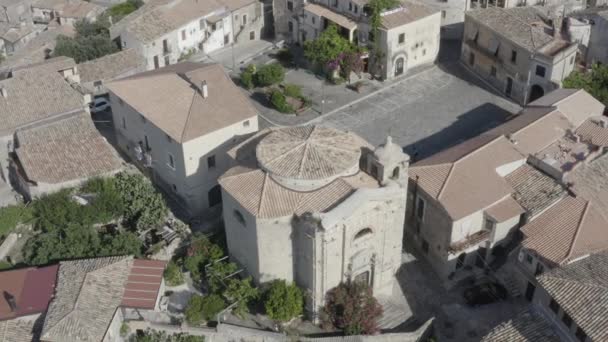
{"x":125,"y":243}
{"x":11,"y":216}
{"x":205,"y":308}
{"x":107,"y":198}
{"x":283,"y":301}
{"x":240,"y":290}
{"x":122,"y":10}
{"x":92,"y":40}
{"x":352,"y":307}
{"x":247,"y":76}
{"x":218,"y":273}
{"x":327,"y":47}
{"x":144,"y":207}
{"x":201,"y":252}
{"x":351,"y":62}
{"x":173,"y":275}
{"x":594,"y":82}
{"x":279,"y":102}
{"x":269,"y":74}
{"x":160,"y":336}
{"x":292,"y":90}
{"x":377,"y":7}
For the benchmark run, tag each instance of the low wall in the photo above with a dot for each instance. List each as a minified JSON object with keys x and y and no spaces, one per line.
{"x":7,"y":245}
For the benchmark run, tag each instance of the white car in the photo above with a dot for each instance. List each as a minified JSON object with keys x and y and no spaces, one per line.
{"x":100,"y":104}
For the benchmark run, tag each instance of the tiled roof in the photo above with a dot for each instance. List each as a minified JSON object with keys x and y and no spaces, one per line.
{"x":590,"y":181}
{"x":534,"y":190}
{"x":55,"y":64}
{"x":53,"y":96}
{"x":143,"y":284}
{"x":506,"y":209}
{"x":169,"y":98}
{"x":408,"y":13}
{"x":524,"y":26}
{"x":65,"y":150}
{"x":581,"y":289}
{"x":527,"y":326}
{"x":111,"y":66}
{"x":575,"y":227}
{"x":31,"y":289}
{"x":14,"y":33}
{"x":23,"y":329}
{"x":592,"y":131}
{"x":309,"y":152}
{"x":335,"y":17}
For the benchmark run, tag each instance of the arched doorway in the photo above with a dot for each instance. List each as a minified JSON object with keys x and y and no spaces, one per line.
{"x":399,"y":66}
{"x":536,"y":92}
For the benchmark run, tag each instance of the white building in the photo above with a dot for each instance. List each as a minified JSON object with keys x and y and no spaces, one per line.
{"x":316,"y":206}
{"x":178,"y":122}
{"x":164,"y":30}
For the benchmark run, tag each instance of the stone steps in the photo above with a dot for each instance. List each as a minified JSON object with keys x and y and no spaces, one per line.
{"x":393,"y":314}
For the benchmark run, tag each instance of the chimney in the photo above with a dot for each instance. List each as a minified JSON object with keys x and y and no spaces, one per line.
{"x":603,"y":122}
{"x":3,"y":92}
{"x":204,"y":90}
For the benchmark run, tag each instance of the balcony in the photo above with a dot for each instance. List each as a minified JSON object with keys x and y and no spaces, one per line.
{"x":469,"y":241}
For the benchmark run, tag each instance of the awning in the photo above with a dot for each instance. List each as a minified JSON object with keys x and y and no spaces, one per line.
{"x":331,"y":16}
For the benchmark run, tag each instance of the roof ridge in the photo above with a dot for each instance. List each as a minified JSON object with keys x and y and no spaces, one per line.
{"x":261,"y":201}
{"x":445,"y":181}
{"x":189,"y":115}
{"x":578,"y":230}
{"x":304,"y":158}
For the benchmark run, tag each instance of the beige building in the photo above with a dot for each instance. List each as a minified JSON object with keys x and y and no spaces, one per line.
{"x":64,"y":12}
{"x":408,"y":35}
{"x":467,"y":202}
{"x":519,"y":51}
{"x":96,"y":73}
{"x":163,"y":31}
{"x":316,"y":206}
{"x":178,"y":122}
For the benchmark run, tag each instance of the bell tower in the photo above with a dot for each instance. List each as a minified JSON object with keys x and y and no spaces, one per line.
{"x":389,"y":164}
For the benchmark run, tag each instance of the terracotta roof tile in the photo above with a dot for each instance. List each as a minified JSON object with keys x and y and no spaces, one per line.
{"x":506,"y":209}
{"x":527,"y":326}
{"x":409,"y":12}
{"x":534,"y":190}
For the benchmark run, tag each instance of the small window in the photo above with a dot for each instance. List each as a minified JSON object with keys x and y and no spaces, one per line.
{"x":174,"y":187}
{"x":313,"y":19}
{"x":540,"y":71}
{"x":244,"y":19}
{"x":493,"y":71}
{"x":356,"y":9}
{"x":239,"y":217}
{"x":211,"y":162}
{"x":580,"y":334}
{"x":226,"y":39}
{"x":420,"y":208}
{"x":201,"y":24}
{"x":183,"y":34}
{"x":171,"y":162}
{"x":246,"y":123}
{"x":566,"y":319}
{"x":124,"y":123}
{"x":350,"y":6}
{"x":252,"y":35}
{"x":489,"y":225}
{"x":290,"y":5}
{"x":401,"y":38}
{"x":290,"y":26}
{"x":572,"y":60}
{"x":554,"y":306}
{"x":513,"y":56}
{"x":363,"y":232}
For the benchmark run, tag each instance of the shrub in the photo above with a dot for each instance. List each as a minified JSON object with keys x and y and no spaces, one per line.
{"x":247,"y":76}
{"x":5,"y":265}
{"x":144,"y":207}
{"x":284,"y":55}
{"x":11,"y":216}
{"x":240,"y":290}
{"x":201,"y":308}
{"x":124,"y":329}
{"x":279,"y":102}
{"x":269,"y":74}
{"x":173,"y":275}
{"x":160,"y":336}
{"x":352,"y":307}
{"x":292,"y":90}
{"x":283,"y":301}
{"x":201,"y":252}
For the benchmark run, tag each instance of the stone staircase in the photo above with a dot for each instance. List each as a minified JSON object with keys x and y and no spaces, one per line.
{"x":394,"y":313}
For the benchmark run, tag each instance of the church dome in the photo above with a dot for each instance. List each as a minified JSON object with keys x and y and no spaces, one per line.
{"x":309,"y":157}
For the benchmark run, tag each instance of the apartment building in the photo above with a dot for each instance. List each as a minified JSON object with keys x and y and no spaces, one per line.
{"x":164,"y":30}
{"x":316,"y":206}
{"x":519,"y":51}
{"x":177,"y":123}
{"x":468,"y":202}
{"x":409,"y":34}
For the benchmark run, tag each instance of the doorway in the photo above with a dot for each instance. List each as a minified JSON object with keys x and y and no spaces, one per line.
{"x":214,"y":196}
{"x":536,"y":92}
{"x":509,"y":87}
{"x":399,"y":66}
{"x":362,"y":278}
{"x":460,"y":260}
{"x":530,"y":291}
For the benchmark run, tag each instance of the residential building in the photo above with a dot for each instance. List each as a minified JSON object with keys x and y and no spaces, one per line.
{"x":64,"y":12}
{"x":178,"y":122}
{"x":519,"y":51}
{"x":93,"y":296}
{"x":555,"y":7}
{"x":165,"y":30}
{"x":316,"y":206}
{"x":408,"y":34}
{"x":15,"y":11}
{"x":15,"y":36}
{"x":468,"y":202}
{"x":26,"y":294}
{"x":452,"y":15}
{"x":567,"y":306}
{"x":589,"y":29}
{"x":61,"y":154}
{"x":96,"y":73}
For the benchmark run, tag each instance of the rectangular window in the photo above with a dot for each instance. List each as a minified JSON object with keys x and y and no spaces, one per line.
{"x":244,"y":19}
{"x":580,"y":334}
{"x":420,"y":208}
{"x":211,"y":162}
{"x":252,"y":35}
{"x":554,"y":306}
{"x":314,"y":20}
{"x":566,"y":319}
{"x":246,"y":123}
{"x":540,"y":71}
{"x":350,"y":6}
{"x":290,"y":5}
{"x":471,"y":59}
{"x":124,"y":123}
{"x":529,"y":258}
{"x":290,"y":26}
{"x":356,"y":9}
{"x":425,"y":246}
{"x":183,"y":34}
{"x":401,"y":38}
{"x":226,"y":39}
{"x":513,"y":56}
{"x":572,"y":60}
{"x":171,"y":162}
{"x":443,"y":14}
{"x":489,"y":225}
{"x":493,"y":71}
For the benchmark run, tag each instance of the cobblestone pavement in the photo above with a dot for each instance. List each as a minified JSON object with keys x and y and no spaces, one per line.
{"x":428,"y":112}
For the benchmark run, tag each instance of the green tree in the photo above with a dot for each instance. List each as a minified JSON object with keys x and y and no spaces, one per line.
{"x":377,"y":7}
{"x":91,"y":41}
{"x":11,"y":216}
{"x":205,"y":308}
{"x":595,"y":82}
{"x":124,"y":243}
{"x":173,"y":274}
{"x":351,"y":62}
{"x":160,"y":336}
{"x":327,"y":47}
{"x":144,"y":207}
{"x":279,"y":102}
{"x":117,"y":12}
{"x":240,"y":290}
{"x":247,"y":76}
{"x":283,"y":301}
{"x":269,"y":74}
{"x":352,"y":307}
{"x":201,"y":252}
